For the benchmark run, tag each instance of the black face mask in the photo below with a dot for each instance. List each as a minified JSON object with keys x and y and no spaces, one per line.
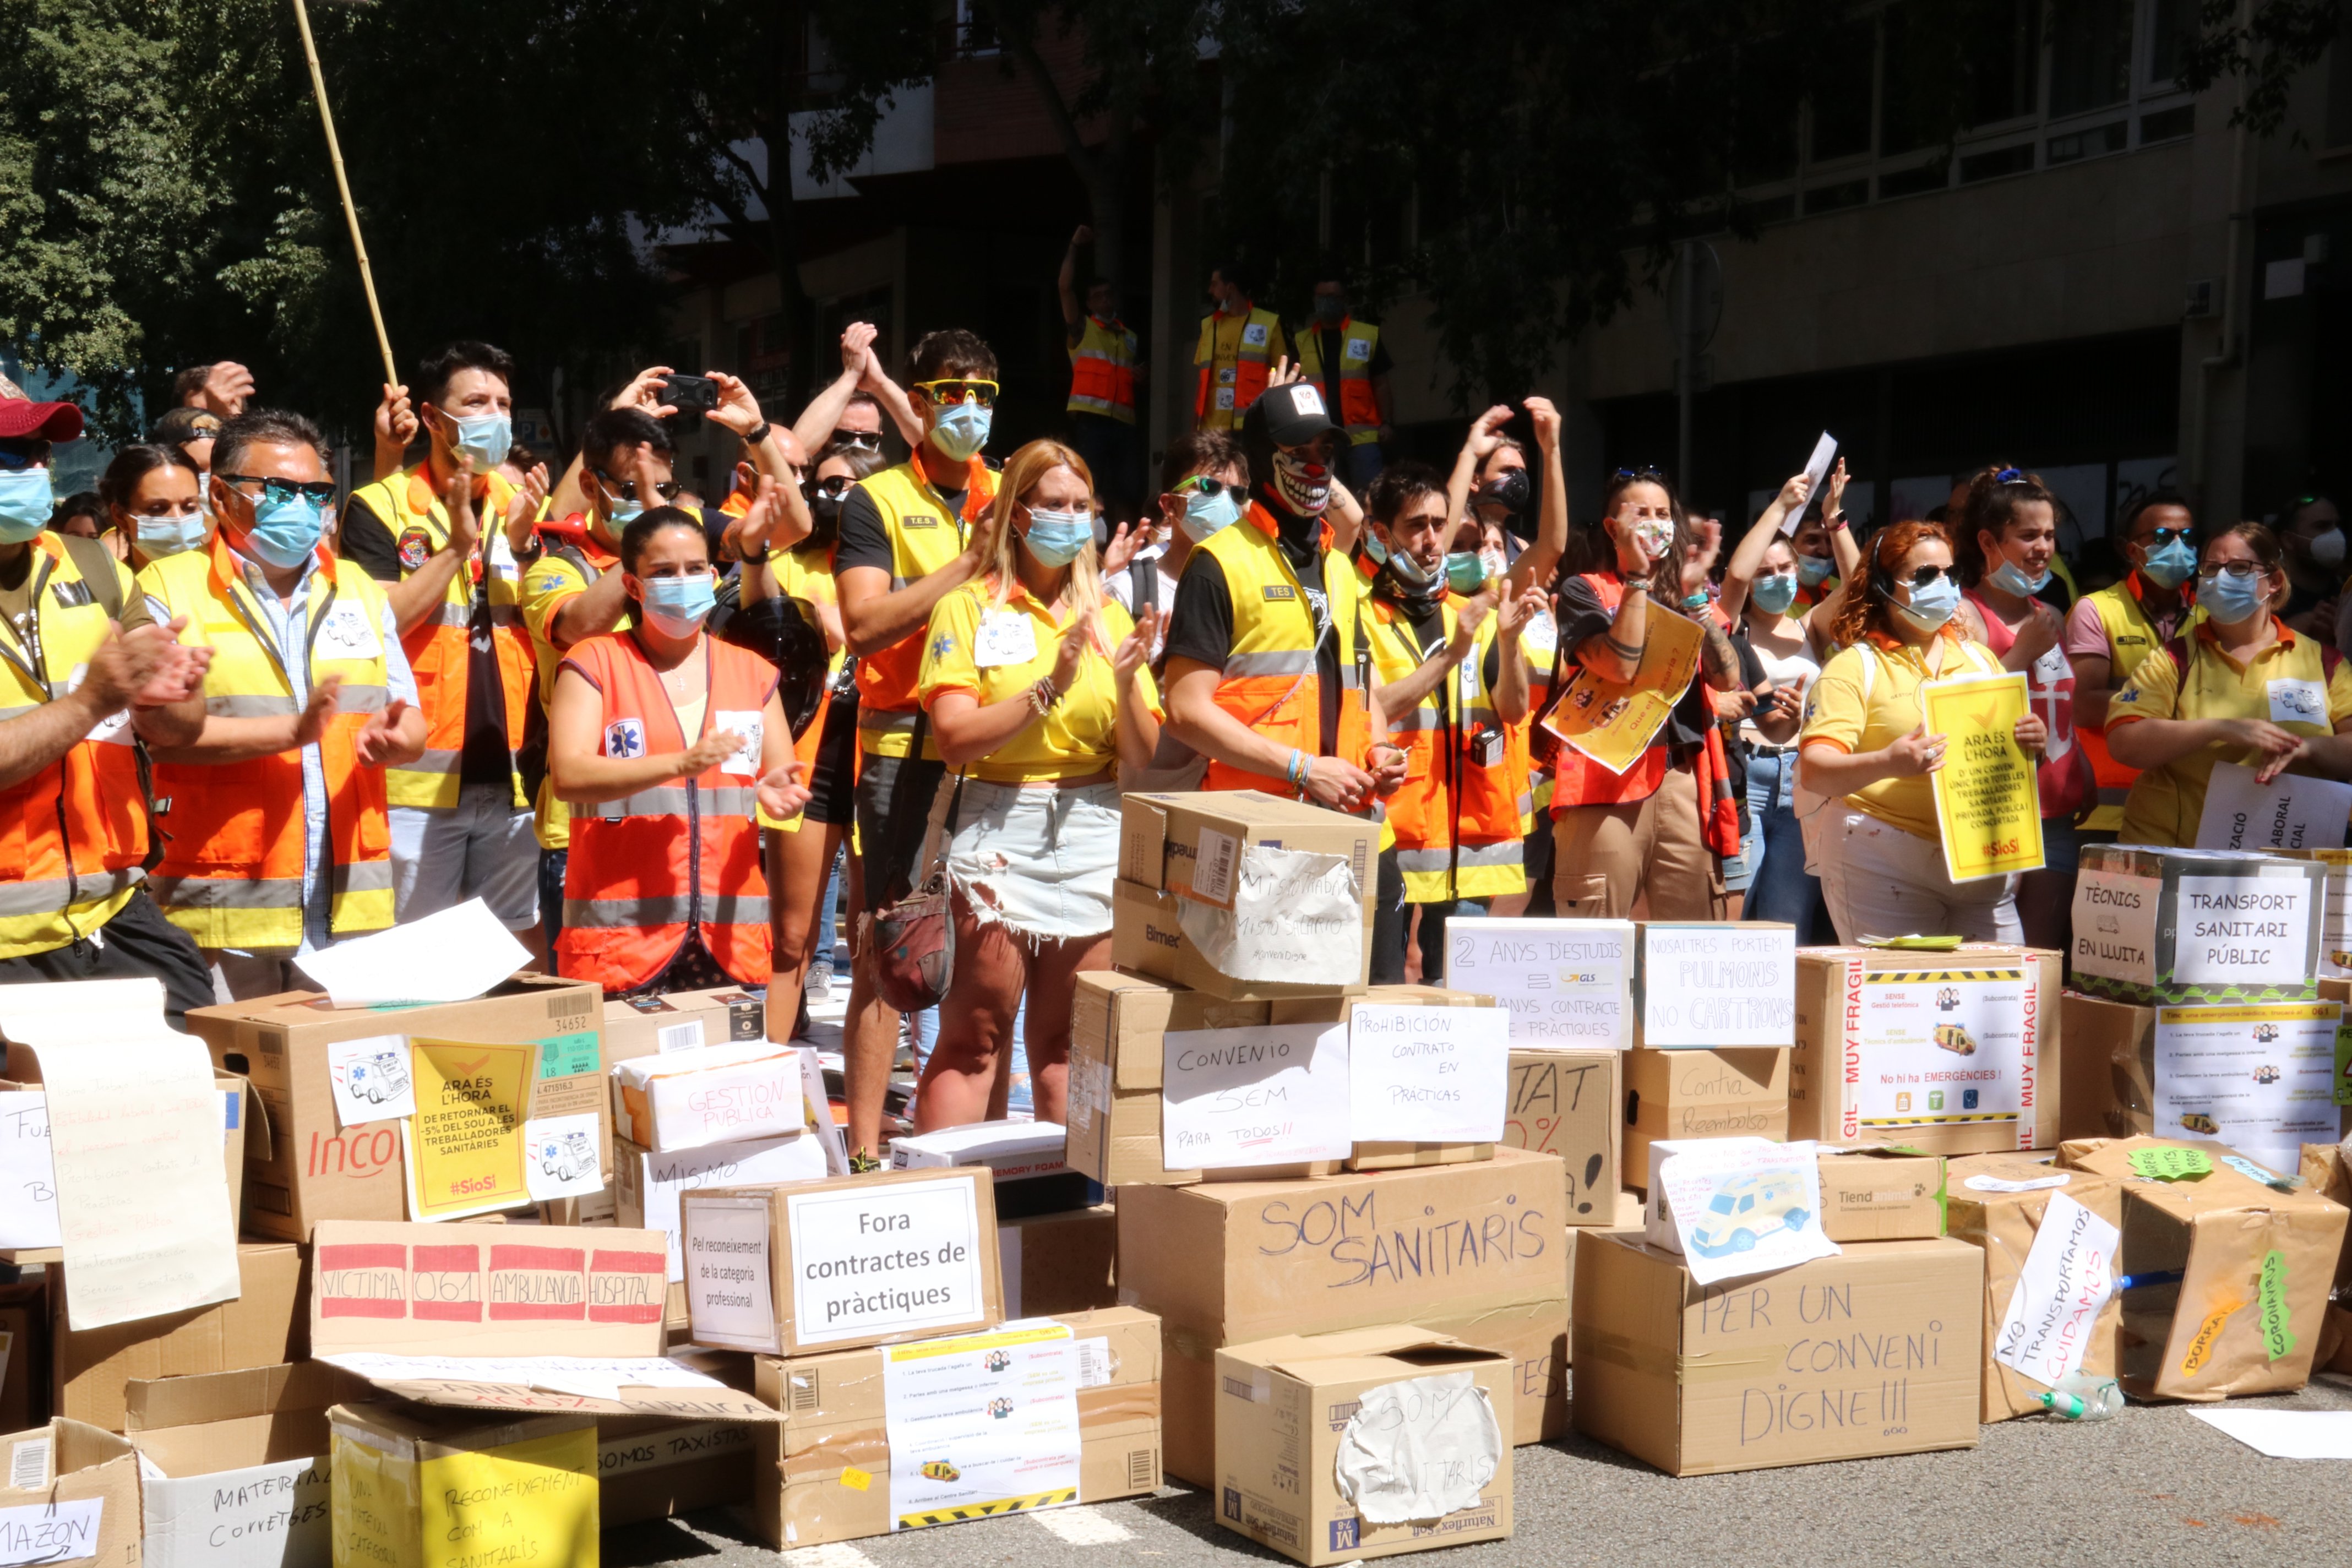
{"x":1508,"y":489}
{"x":824,"y":520}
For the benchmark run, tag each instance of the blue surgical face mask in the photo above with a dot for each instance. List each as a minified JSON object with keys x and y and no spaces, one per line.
{"x":485,"y":437}
{"x":2229,"y":600}
{"x":163,"y":536}
{"x":2010,"y":578}
{"x":2172,"y":565}
{"x":285,"y":533}
{"x":1774,"y":592}
{"x":619,"y":513}
{"x":961,"y":430}
{"x":679,"y":605}
{"x":1813,"y":571}
{"x":1374,"y":551}
{"x":26,"y":502}
{"x":1465,"y":572}
{"x":1208,"y":511}
{"x":1932,"y":605}
{"x":1055,"y":538}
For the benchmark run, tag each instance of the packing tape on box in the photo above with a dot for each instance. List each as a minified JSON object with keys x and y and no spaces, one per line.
{"x":1618,"y":1350}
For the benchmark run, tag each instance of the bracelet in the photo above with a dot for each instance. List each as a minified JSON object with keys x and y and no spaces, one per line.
{"x":1835,"y":524}
{"x":1043,"y":695}
{"x":760,"y":435}
{"x":751,"y":559}
{"x":1294,"y":772}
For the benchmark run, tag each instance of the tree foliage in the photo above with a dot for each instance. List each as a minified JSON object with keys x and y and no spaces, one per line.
{"x":2269,"y":43}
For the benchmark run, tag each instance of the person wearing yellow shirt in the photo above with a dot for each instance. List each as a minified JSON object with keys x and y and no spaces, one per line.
{"x":1036,"y":688}
{"x":2241,"y":687}
{"x":1866,"y":747}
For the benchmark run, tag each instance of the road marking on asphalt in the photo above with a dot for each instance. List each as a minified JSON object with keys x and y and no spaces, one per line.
{"x":833,"y":1555}
{"x":1082,"y":1526}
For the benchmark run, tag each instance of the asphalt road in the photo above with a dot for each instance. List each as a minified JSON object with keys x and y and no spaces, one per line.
{"x":2154,"y":1487}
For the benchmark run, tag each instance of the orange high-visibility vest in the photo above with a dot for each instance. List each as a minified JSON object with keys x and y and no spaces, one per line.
{"x":234,"y":833}
{"x":1233,"y":374}
{"x":1271,"y":683}
{"x":1102,"y":371}
{"x":439,"y":646}
{"x":1576,"y":779}
{"x":644,"y":868}
{"x":1359,"y":407}
{"x":76,"y":830}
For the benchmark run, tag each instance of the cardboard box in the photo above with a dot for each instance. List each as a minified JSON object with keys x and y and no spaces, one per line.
{"x":2197,"y":925}
{"x":1164,"y":839}
{"x":1989,"y":1214}
{"x":1713,"y":984}
{"x":849,"y":1261}
{"x":1027,"y":1161}
{"x":239,"y":1491}
{"x":263,"y":1327}
{"x":651,"y":1467}
{"x":732,"y":1092}
{"x":2335,"y":908}
{"x":680,"y":1021}
{"x":2327,"y":1172}
{"x":1057,"y":1263}
{"x":1954,"y":1053}
{"x":2117,"y":1069}
{"x":1474,"y":1250}
{"x":1290,"y":1410}
{"x":825,"y":1470}
{"x":25,"y":1361}
{"x":315,"y":1169}
{"x":1740,"y":1093}
{"x":1881,"y":1194}
{"x":60,"y":1470}
{"x":160,"y":1404}
{"x":1873,"y":1351}
{"x":1115,"y":1058}
{"x":646,"y":1186}
{"x":408,"y":1481}
{"x":1572,"y":1104}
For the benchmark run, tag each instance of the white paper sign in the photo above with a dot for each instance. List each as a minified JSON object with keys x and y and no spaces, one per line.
{"x":1429,"y":1075}
{"x":100,"y":1009}
{"x":1718,"y":985}
{"x":661,"y":1179}
{"x":1003,"y":638}
{"x":2000,"y":1184}
{"x":2291,"y":812}
{"x":2114,"y":925}
{"x":1267,"y":1095}
{"x":259,"y":1516}
{"x":2259,"y":1079}
{"x":2285,"y":1433}
{"x":2067,"y":1278}
{"x":561,"y":1156}
{"x":981,"y":1419}
{"x":1943,"y":1048}
{"x":727,"y":1294}
{"x":50,"y":1532}
{"x":748,"y":727}
{"x":453,"y":956}
{"x":2242,"y":930}
{"x":1296,"y":916}
{"x":1566,"y":984}
{"x":885,"y":1259}
{"x":370,"y":1078}
{"x":1419,"y":1448}
{"x":2298,"y":702}
{"x":1817,"y":469}
{"x":29,"y":1184}
{"x":1746,"y":1208}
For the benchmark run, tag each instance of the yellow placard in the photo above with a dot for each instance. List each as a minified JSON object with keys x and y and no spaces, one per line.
{"x":1986,"y":802}
{"x":1614,"y":724}
{"x":530,"y":1502}
{"x":465,"y":1142}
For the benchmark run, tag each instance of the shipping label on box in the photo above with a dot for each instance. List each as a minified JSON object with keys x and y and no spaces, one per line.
{"x":1571,"y":1104}
{"x":1881,"y":1194}
{"x":2188,"y":925}
{"x":1568,"y":984}
{"x":1711,"y":986}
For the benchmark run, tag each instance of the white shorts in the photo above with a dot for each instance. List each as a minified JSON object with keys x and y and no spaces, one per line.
{"x":1880,"y":881}
{"x":1040,"y":861}
{"x":482,"y":847}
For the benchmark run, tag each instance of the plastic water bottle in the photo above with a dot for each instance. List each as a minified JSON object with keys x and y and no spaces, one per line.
{"x":2078,"y":1396}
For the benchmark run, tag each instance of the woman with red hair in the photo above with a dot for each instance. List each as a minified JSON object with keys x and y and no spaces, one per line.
{"x":1866,"y":746}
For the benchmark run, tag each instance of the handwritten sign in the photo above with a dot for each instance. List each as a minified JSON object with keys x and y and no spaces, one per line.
{"x":1561,"y":1103}
{"x":28,"y":1181}
{"x":1269,"y":1095}
{"x":1563,"y":983}
{"x":1613,"y":724}
{"x":50,"y":1531}
{"x":1429,"y":1075}
{"x":2069,"y":1273}
{"x":876,"y":1261}
{"x":1296,"y":916}
{"x":1986,"y":800}
{"x":2244,"y":930}
{"x":2171,"y":1165}
{"x":2291,"y":812}
{"x":1718,"y":985}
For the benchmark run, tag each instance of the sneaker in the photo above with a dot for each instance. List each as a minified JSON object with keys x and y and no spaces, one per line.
{"x":818,"y":988}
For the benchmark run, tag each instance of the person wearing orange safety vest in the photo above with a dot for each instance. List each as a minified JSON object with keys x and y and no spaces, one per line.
{"x":275,"y":839}
{"x":1451,"y":678}
{"x":1345,"y":357}
{"x":86,"y":673}
{"x":1235,"y":356}
{"x":1265,"y":676}
{"x":667,"y":743}
{"x":2110,"y":631}
{"x":1106,"y":369}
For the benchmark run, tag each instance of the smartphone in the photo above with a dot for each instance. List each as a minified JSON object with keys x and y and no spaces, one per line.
{"x":690,"y":393}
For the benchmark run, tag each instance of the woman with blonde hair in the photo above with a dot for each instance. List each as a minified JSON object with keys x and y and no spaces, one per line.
{"x":1038,"y":694}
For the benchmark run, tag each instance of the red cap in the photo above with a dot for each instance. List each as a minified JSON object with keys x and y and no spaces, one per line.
{"x":21,"y":420}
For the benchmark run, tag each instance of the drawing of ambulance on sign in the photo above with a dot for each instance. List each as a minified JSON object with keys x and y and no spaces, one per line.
{"x":569,"y":1157}
{"x":1748,"y":1208}
{"x":378,"y":1077}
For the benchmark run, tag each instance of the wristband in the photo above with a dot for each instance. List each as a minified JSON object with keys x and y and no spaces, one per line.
{"x":758,"y":435}
{"x":1835,"y":524}
{"x":751,"y":559}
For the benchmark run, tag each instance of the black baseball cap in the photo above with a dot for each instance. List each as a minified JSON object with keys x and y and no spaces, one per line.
{"x":1292,"y":416}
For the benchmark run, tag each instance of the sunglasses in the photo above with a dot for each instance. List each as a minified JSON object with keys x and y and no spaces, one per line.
{"x":627,"y":489}
{"x":280,"y":490}
{"x":863,"y":440}
{"x":16,"y":459}
{"x":948,"y":393}
{"x":1921,"y":576}
{"x":1644,"y":472}
{"x":2158,"y":538}
{"x":1209,"y":487}
{"x":833,"y":488}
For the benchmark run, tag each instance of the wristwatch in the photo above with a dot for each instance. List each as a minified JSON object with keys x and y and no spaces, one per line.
{"x":749,"y":559}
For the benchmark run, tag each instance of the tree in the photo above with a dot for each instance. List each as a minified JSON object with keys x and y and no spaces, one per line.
{"x":2270,"y":42}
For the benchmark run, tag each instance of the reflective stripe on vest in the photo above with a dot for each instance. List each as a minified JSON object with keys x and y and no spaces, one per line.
{"x":924,"y":536}
{"x":1228,"y":385}
{"x":1482,"y":799}
{"x":76,"y":830}
{"x":440,"y":646}
{"x":1359,"y":407}
{"x":1102,"y":371}
{"x":237,"y":835}
{"x":645,"y":869}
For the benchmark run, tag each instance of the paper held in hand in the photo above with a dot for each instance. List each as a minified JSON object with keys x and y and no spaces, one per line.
{"x":453,"y":956}
{"x":1817,"y":469}
{"x":1613,"y":724}
{"x":2291,"y":812}
{"x":1988,"y":803}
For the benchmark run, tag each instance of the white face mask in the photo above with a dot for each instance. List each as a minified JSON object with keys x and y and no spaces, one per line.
{"x":2328,"y":549}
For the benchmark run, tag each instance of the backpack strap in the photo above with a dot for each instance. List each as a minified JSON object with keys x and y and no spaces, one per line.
{"x":97,"y":566}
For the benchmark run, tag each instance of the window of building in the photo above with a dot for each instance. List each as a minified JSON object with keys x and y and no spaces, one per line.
{"x":1842,"y":111}
{"x":2090,"y":55}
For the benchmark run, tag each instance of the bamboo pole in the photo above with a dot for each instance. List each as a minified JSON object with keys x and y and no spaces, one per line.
{"x":343,"y":185}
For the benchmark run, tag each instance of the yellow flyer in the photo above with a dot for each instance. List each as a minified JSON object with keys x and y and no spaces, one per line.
{"x":1614,"y":724}
{"x":1987,"y":803}
{"x":465,"y":1142}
